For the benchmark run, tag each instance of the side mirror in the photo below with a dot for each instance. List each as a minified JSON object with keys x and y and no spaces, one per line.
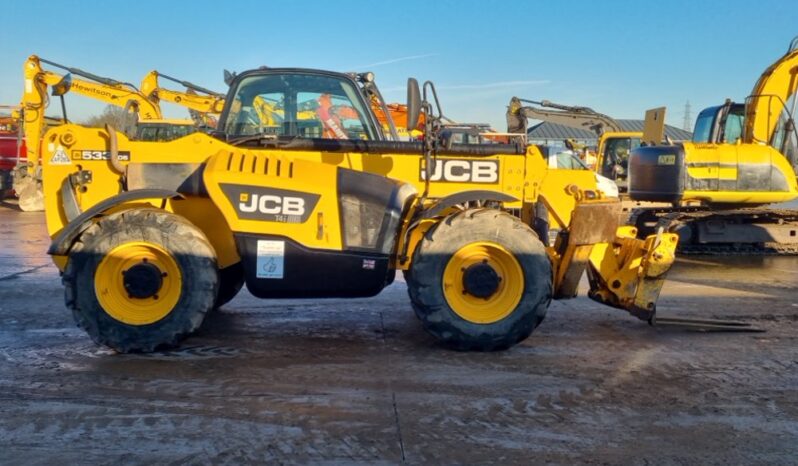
{"x":229,"y":77}
{"x":413,"y":104}
{"x":62,"y":87}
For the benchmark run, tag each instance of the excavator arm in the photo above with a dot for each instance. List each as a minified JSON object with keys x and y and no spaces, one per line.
{"x":96,"y":87}
{"x":35,"y":99}
{"x":771,"y":106}
{"x":27,"y":180}
{"x":571,"y":116}
{"x":202,"y":103}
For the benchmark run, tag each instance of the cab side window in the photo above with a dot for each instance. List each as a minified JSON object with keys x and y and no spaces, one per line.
{"x":734,"y":128}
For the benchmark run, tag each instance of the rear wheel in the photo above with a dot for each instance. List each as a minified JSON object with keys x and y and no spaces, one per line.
{"x":480,"y":280}
{"x":140,"y":279}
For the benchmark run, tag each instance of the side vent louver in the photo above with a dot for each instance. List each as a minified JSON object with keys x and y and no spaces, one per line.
{"x":264,"y":164}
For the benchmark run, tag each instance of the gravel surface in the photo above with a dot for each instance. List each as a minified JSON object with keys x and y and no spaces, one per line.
{"x":358,"y":381}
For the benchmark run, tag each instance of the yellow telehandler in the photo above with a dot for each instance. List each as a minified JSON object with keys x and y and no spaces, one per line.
{"x":151,"y":236}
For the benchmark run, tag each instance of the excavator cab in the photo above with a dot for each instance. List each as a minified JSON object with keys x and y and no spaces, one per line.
{"x":614,"y":158}
{"x":722,"y":123}
{"x":164,"y":130}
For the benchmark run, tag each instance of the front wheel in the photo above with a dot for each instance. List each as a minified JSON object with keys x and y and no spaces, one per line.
{"x":480,"y":280}
{"x":140,"y":279}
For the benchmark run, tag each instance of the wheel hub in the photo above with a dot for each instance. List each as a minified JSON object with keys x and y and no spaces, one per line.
{"x":483,"y":282}
{"x":480,"y":280}
{"x":143,"y":280}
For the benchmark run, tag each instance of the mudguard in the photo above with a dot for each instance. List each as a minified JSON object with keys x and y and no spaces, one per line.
{"x":63,"y":241}
{"x":466,"y":196}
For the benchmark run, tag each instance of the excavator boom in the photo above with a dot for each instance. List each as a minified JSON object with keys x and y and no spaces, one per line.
{"x":27,"y":179}
{"x":35,"y":99}
{"x":207,"y":102}
{"x":772,"y":101}
{"x":572,"y":116}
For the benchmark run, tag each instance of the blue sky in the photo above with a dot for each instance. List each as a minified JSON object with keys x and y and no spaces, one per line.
{"x":618,"y":57}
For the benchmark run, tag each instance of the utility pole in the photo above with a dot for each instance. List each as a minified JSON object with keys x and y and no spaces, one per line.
{"x":688,"y":119}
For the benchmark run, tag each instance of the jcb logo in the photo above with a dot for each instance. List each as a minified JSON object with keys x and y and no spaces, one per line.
{"x":269,"y":204}
{"x":463,"y":171}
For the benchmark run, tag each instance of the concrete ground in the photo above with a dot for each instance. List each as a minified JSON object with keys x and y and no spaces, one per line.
{"x":358,"y":381}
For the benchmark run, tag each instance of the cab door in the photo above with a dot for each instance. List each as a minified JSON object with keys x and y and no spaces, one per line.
{"x":728,"y":150}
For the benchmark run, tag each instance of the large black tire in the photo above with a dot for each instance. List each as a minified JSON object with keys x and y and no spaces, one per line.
{"x":430,"y":259}
{"x":231,"y":280}
{"x":192,"y":254}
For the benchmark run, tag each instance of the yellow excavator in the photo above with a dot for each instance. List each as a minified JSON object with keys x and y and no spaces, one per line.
{"x":330,"y":206}
{"x":614,"y":144}
{"x":204,"y":105}
{"x":27,"y":176}
{"x":741,"y":159}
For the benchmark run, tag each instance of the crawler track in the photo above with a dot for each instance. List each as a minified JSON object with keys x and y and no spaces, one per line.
{"x":685,"y":220}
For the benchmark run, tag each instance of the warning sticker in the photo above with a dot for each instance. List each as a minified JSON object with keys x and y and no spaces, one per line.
{"x":271,"y":255}
{"x":60,"y":157}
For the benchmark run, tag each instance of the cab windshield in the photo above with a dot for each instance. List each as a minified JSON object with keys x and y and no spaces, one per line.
{"x":703,"y":125}
{"x":298,"y":104}
{"x":706,"y":125}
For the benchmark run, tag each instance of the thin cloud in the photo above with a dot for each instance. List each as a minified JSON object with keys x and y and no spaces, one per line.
{"x":483,"y":86}
{"x":397,"y":60}
{"x":495,"y":85}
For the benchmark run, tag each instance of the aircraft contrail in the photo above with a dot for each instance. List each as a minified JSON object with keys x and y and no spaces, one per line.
{"x":396,"y":60}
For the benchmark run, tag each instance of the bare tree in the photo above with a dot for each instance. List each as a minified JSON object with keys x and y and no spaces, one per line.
{"x":117,"y":117}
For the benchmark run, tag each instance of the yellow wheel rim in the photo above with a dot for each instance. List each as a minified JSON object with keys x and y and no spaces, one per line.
{"x":130,"y":305}
{"x":503,"y":297}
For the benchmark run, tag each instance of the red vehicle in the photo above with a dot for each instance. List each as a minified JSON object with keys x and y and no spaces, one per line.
{"x":8,"y":154}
